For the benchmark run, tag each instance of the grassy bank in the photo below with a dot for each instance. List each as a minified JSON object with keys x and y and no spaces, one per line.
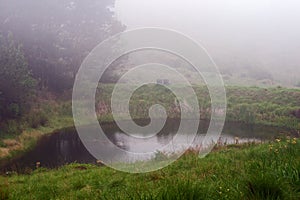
{"x":251,"y":105}
{"x":249,"y":171}
{"x":18,"y":136}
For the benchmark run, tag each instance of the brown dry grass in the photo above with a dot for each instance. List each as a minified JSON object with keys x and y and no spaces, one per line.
{"x":4,"y":152}
{"x":20,"y":143}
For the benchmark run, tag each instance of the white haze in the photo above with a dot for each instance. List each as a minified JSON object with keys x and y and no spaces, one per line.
{"x":239,"y":34}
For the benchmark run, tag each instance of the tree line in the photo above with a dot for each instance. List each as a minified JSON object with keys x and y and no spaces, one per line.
{"x":42,"y":44}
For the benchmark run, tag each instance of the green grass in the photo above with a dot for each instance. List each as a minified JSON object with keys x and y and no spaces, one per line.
{"x":251,"y":105}
{"x":267,"y":171}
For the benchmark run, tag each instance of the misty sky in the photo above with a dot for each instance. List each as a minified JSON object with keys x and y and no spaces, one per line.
{"x":250,"y":33}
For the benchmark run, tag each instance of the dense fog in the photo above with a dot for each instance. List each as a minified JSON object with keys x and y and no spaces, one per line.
{"x":253,"y":40}
{"x":243,"y":36}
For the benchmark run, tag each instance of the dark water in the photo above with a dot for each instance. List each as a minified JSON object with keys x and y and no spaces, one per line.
{"x":65,"y":146}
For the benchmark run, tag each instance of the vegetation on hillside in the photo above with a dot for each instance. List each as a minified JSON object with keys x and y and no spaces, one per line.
{"x":42,"y":50}
{"x":40,"y":54}
{"x":55,"y":44}
{"x":251,"y":105}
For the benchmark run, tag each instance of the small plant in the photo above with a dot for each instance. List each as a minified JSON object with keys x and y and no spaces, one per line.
{"x":2,"y":144}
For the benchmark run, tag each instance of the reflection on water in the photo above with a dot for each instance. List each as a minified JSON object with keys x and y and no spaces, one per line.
{"x":65,"y":146}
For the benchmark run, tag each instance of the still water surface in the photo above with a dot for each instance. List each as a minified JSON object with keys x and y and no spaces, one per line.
{"x":65,"y":146}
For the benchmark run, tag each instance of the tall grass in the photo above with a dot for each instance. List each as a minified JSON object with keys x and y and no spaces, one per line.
{"x":267,"y":171}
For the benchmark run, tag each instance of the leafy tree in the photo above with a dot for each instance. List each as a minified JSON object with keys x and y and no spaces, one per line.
{"x":16,"y":82}
{"x":58,"y":34}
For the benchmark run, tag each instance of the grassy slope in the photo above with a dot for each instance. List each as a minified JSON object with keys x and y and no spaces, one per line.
{"x":270,"y":106}
{"x":267,"y":171}
{"x":252,"y":105}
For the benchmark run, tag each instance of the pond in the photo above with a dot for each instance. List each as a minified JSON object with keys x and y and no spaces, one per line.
{"x":65,"y":146}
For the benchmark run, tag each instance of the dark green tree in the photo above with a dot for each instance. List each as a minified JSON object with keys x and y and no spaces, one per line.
{"x":58,"y":34}
{"x":16,"y":82}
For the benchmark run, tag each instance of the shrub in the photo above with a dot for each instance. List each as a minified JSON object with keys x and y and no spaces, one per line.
{"x":66,"y":109}
{"x":10,"y":127}
{"x":36,"y":119}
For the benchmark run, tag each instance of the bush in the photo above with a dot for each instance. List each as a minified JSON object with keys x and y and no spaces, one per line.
{"x":36,"y":119}
{"x":2,"y":144}
{"x":10,"y":127}
{"x":66,"y":109}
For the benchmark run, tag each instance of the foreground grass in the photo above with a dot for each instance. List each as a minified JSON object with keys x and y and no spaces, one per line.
{"x":267,"y":171}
